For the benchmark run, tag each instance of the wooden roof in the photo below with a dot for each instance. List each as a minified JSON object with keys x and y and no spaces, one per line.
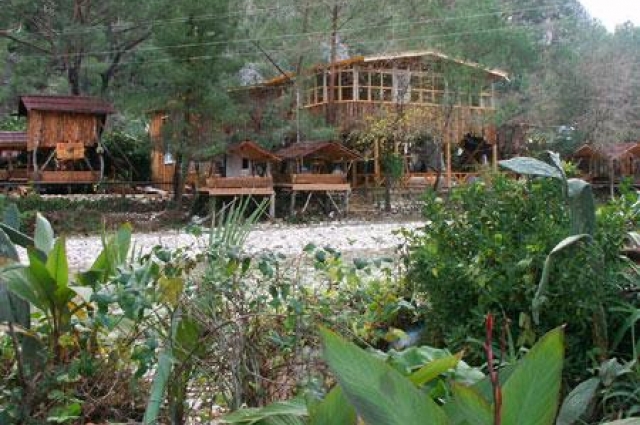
{"x":610,"y":151}
{"x":13,"y":140}
{"x":331,"y":151}
{"x":252,"y":151}
{"x":77,"y":104}
{"x":281,"y":80}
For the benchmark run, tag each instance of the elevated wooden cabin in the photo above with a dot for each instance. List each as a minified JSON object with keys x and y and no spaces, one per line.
{"x":13,"y":156}
{"x":609,"y":163}
{"x":245,"y":169}
{"x":63,"y":137}
{"x":316,"y":168}
{"x":450,"y":98}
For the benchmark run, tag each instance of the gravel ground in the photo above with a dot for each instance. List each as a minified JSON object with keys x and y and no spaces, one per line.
{"x":285,"y":239}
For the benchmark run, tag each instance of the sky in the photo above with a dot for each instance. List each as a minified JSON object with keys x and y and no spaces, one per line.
{"x":614,"y":12}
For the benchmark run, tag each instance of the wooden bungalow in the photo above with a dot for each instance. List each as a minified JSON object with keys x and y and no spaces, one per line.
{"x":449,"y":99}
{"x":13,"y":157}
{"x":316,"y":168}
{"x":63,"y":138}
{"x":608,"y":164}
{"x":245,"y":169}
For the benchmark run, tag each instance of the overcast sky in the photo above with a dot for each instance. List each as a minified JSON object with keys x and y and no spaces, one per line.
{"x":614,"y":12}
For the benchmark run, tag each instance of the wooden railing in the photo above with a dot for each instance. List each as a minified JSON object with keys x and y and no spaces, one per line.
{"x":69,"y":176}
{"x":315,"y":179}
{"x":239,"y":182}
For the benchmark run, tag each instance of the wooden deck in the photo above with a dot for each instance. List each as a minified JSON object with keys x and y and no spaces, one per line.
{"x":69,"y":177}
{"x":241,"y":186}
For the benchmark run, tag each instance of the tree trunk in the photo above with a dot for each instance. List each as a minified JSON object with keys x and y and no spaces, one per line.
{"x":330,"y":114}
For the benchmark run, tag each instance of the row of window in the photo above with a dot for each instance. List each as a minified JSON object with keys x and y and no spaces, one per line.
{"x":386,"y":86}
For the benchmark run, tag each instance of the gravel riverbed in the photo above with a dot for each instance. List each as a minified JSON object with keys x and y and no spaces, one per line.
{"x":286,"y":239}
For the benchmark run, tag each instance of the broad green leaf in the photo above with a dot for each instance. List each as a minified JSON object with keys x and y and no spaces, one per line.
{"x":433,"y":369}
{"x":583,"y":207}
{"x":43,"y":238}
{"x":19,"y":284}
{"x":530,"y":395}
{"x":380,"y":394}
{"x":335,"y":409}
{"x":170,"y":289}
{"x":11,"y":216}
{"x":578,"y":402}
{"x":57,"y":263}
{"x":540,"y":296}
{"x":470,"y":405}
{"x":17,"y":237}
{"x":13,"y":308}
{"x":8,"y":252}
{"x":532,"y":167}
{"x":295,"y":408}
{"x":556,"y":162}
{"x":40,"y":278}
{"x":158,"y":387}
{"x":186,"y":341}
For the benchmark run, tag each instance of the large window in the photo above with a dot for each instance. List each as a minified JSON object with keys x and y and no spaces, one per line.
{"x":375,"y":86}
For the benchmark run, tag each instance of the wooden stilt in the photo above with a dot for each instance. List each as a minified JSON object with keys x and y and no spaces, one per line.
{"x":272,"y":206}
{"x":292,"y":203}
{"x":306,"y":204}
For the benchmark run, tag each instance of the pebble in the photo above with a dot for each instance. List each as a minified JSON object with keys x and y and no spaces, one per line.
{"x":287,"y":240}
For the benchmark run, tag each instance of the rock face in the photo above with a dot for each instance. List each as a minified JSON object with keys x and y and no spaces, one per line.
{"x":287,"y":240}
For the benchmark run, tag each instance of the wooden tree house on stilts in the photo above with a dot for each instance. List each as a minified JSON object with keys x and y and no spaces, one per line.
{"x":316,"y":168}
{"x":63,"y":138}
{"x":243,"y":171}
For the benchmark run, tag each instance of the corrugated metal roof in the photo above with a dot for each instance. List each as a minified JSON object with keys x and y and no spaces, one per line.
{"x":326,"y":150}
{"x":252,"y":151}
{"x":15,"y":140}
{"x":78,"y":104}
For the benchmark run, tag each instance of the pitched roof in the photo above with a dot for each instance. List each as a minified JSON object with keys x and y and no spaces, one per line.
{"x":13,"y":140}
{"x":324,"y":150}
{"x":252,"y":151}
{"x":78,"y":104}
{"x":611,"y":151}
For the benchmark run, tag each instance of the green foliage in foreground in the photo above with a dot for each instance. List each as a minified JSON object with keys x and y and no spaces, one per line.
{"x":486,"y":247}
{"x":381,"y":395}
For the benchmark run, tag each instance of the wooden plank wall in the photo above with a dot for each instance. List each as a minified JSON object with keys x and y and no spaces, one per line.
{"x":47,"y":129}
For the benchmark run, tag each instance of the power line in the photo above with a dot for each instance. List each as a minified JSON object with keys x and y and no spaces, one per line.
{"x":313,"y":33}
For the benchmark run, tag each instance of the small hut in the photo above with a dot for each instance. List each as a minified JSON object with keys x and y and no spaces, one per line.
{"x":318,"y":168}
{"x":244,"y":170}
{"x":13,"y":148}
{"x":609,"y":163}
{"x":63,"y":137}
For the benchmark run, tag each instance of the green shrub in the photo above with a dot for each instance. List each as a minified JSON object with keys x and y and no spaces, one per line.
{"x":484,"y":250}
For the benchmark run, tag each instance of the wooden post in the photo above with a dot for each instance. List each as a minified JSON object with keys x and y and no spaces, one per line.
{"x":448,"y":158}
{"x":272,"y":206}
{"x":292,"y":203}
{"x":494,"y":154}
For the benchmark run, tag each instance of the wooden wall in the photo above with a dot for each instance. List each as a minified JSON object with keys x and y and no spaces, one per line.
{"x":46,"y":129}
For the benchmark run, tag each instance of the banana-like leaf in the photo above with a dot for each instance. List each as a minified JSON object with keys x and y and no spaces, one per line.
{"x":285,"y":413}
{"x":158,"y":387}
{"x":530,"y":395}
{"x":578,"y":402}
{"x":11,"y":216}
{"x":556,"y":162}
{"x":43,"y":238}
{"x":57,"y":264}
{"x":335,"y":409}
{"x":582,"y":206}
{"x":17,"y":237}
{"x":12,"y":308}
{"x":380,"y":394}
{"x":470,"y":405}
{"x":531,"y":167}
{"x":540,"y":296}
{"x":435,"y":368}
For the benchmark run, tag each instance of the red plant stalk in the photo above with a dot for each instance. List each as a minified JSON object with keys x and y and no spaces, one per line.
{"x":493,"y":372}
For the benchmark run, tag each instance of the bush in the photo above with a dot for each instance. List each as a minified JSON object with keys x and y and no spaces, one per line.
{"x":484,"y":250}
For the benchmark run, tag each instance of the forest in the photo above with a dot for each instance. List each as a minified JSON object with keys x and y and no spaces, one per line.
{"x":516,"y":301}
